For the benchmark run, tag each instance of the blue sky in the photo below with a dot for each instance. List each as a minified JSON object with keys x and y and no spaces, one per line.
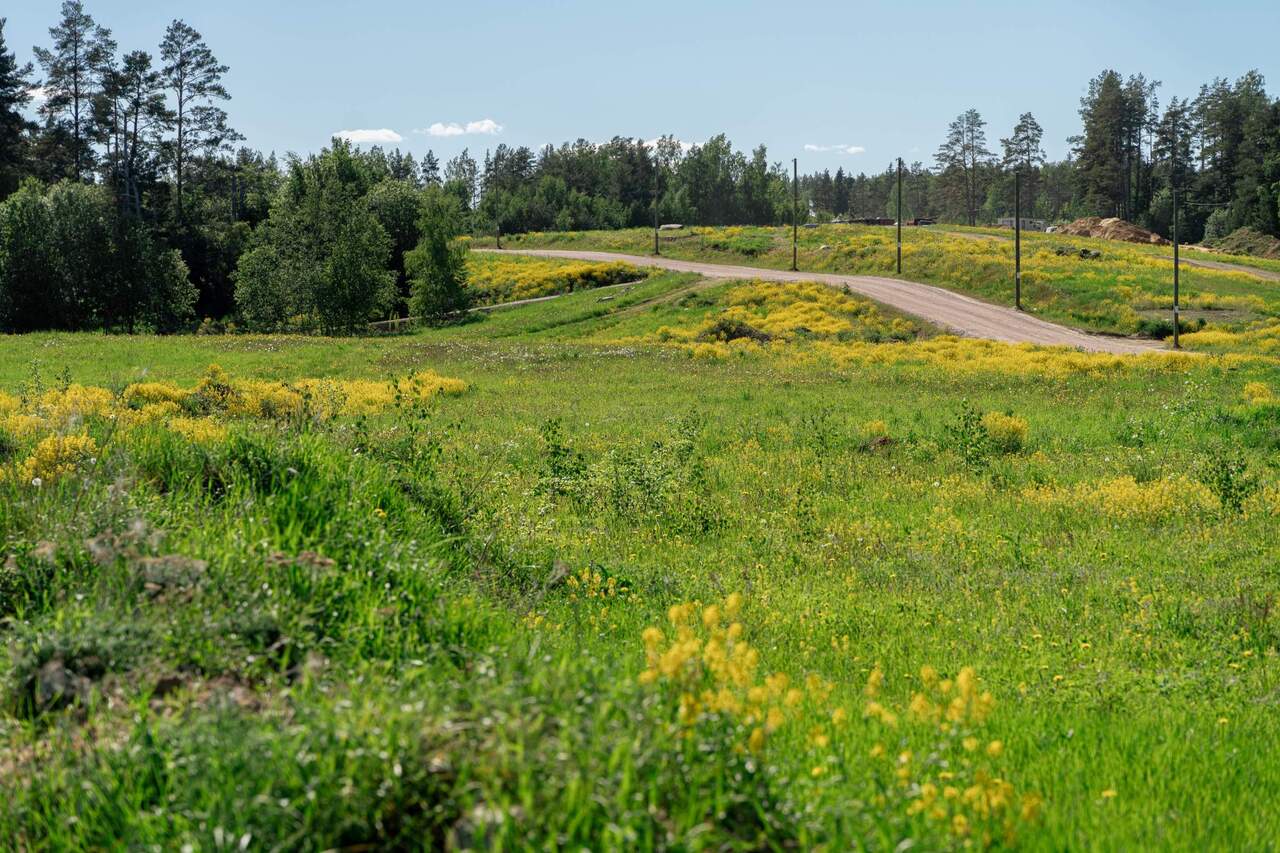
{"x":863,"y":81}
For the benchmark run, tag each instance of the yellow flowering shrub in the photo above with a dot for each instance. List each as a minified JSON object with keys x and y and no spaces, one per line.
{"x":22,"y":426}
{"x":502,"y":278}
{"x":141,"y":394}
{"x":1125,"y":499}
{"x":1006,"y":432}
{"x":709,"y":663}
{"x":218,"y":394}
{"x":55,"y":457}
{"x":1258,"y":393}
{"x":1262,"y":337}
{"x":199,"y":430}
{"x":792,"y":311}
{"x":200,"y":414}
{"x":75,"y":401}
{"x":874,"y":429}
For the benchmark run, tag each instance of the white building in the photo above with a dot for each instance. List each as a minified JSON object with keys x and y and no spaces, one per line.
{"x":1027,"y":224}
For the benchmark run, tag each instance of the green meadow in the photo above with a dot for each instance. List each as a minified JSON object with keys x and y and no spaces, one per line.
{"x":638,"y":581}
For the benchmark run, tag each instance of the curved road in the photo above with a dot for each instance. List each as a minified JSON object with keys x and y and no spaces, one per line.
{"x":1269,"y":275}
{"x":954,"y":312}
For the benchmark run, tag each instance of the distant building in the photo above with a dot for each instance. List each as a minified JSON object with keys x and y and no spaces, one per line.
{"x":1027,"y":224}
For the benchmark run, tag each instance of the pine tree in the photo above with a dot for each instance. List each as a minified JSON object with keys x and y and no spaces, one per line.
{"x":136,"y":115}
{"x":463,"y":174}
{"x":1101,"y":150}
{"x":15,"y":94}
{"x":1022,"y":153}
{"x":963,"y":155}
{"x":73,"y":70}
{"x":430,"y":169}
{"x":193,"y":77}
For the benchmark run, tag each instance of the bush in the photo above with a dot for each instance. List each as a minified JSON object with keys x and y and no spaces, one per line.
{"x":726,"y":329}
{"x":1006,"y":433}
{"x":967,"y":436}
{"x":1227,"y":476}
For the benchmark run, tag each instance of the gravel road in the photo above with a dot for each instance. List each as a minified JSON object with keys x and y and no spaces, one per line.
{"x":955,"y":312}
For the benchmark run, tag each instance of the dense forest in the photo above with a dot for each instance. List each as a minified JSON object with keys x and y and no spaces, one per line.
{"x":129,"y":201}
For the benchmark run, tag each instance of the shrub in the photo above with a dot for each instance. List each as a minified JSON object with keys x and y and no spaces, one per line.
{"x":726,"y":329}
{"x":967,"y":436}
{"x":57,"y":456}
{"x":1257,"y":392}
{"x":1006,"y":433}
{"x":1227,"y":476}
{"x":504,"y":278}
{"x":562,"y":467}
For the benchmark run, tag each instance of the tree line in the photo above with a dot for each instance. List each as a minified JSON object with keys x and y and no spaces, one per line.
{"x":1220,"y":151}
{"x":130,"y":202}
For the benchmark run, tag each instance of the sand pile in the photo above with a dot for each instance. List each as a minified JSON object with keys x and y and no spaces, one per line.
{"x":1111,"y":229}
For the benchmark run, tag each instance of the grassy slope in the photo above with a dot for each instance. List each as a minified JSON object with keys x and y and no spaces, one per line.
{"x":1129,"y":644}
{"x":1128,"y":285}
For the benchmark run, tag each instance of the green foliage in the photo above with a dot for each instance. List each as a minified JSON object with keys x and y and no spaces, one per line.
{"x":405,"y":628}
{"x":1227,"y":476}
{"x":966,"y":435}
{"x":563,"y":467}
{"x":397,"y":205}
{"x":437,"y":268}
{"x":69,"y":260}
{"x":1218,"y":225}
{"x":320,"y":260}
{"x":265,"y":296}
{"x":15,"y":84}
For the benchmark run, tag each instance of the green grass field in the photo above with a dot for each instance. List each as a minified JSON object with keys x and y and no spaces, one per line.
{"x":1126,"y":290}
{"x":641,"y":583}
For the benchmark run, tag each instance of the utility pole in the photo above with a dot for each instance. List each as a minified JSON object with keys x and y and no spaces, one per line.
{"x":656,"y":173}
{"x":497,"y":224}
{"x":1176,"y":345}
{"x":899,"y":216}
{"x":795,"y":211}
{"x":1017,"y":240}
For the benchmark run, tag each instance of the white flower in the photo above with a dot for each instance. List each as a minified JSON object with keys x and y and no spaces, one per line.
{"x":37,"y":482}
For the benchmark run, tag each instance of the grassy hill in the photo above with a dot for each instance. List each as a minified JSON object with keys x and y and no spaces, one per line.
{"x":678,"y":565}
{"x":1119,"y":288}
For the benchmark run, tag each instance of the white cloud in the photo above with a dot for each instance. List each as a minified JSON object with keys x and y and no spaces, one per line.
{"x":38,"y":93}
{"x":383,"y":134}
{"x":485,"y":126}
{"x":843,"y":149}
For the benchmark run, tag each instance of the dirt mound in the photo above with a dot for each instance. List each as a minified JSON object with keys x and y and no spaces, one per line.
{"x":1246,"y":241}
{"x":1111,"y":229}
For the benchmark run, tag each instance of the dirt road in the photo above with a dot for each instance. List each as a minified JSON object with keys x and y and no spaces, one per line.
{"x":1269,"y":275}
{"x":955,"y":312}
